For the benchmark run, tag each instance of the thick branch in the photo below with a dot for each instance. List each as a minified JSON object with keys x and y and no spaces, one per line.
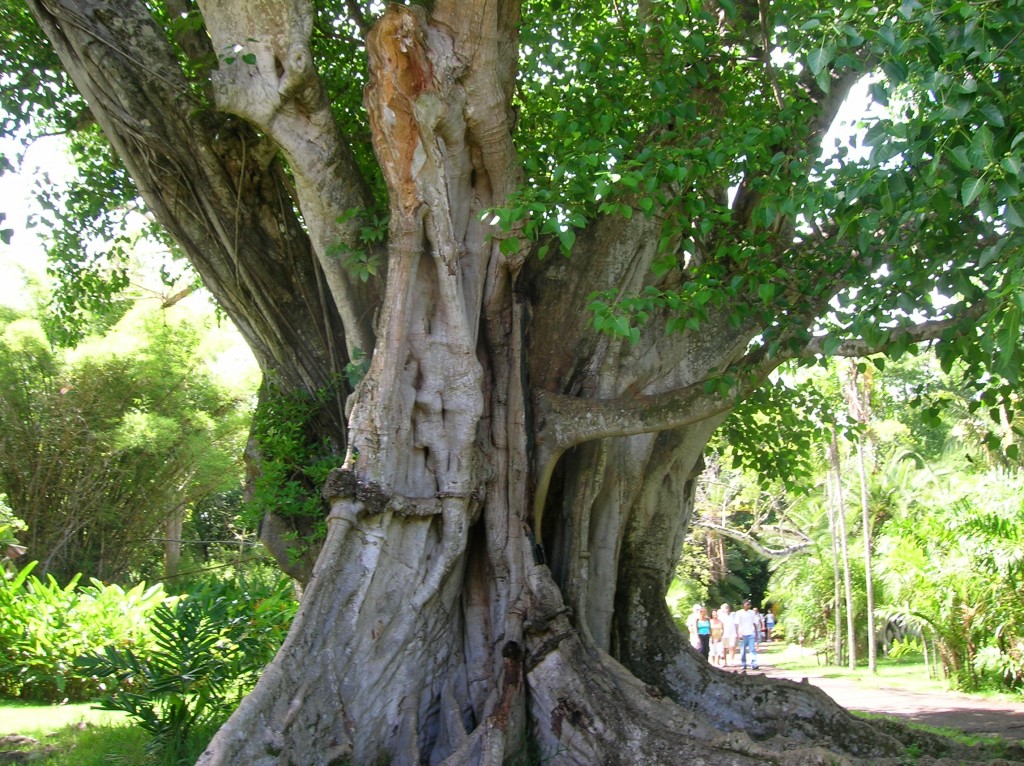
{"x":563,"y":421}
{"x":273,"y":83}
{"x":197,"y":172}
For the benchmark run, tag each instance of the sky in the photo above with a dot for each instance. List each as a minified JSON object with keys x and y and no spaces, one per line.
{"x":25,"y":255}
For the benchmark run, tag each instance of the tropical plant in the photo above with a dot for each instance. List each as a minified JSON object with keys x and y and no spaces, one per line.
{"x":209,"y":647}
{"x":45,"y":626}
{"x":960,"y":568}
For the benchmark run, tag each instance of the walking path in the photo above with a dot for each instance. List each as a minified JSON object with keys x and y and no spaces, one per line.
{"x":972,"y":714}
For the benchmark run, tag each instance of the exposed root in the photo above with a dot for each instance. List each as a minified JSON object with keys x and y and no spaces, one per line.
{"x":589,"y":709}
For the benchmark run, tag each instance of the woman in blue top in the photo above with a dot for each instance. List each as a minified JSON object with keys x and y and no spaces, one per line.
{"x":704,"y":632}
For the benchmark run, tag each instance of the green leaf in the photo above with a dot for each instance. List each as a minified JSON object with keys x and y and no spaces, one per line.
{"x":830,"y":344}
{"x":821,"y":57}
{"x":993,"y":115}
{"x":961,"y":158}
{"x":981,"y":147}
{"x":970,"y":190}
{"x":824,"y":81}
{"x":508,"y":246}
{"x":1013,"y":217}
{"x":249,"y":58}
{"x":568,"y":239}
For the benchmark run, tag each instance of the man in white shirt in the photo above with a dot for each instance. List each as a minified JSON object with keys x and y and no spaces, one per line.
{"x":728,"y":633}
{"x":746,"y":627}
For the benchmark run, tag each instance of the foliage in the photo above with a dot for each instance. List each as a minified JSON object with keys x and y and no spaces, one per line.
{"x":99,"y":447}
{"x":940,"y":164}
{"x":729,"y":569}
{"x":692,"y":576}
{"x":959,"y":568}
{"x":214,"y":522}
{"x":293,"y":466}
{"x":947,"y":533}
{"x":209,"y":647}
{"x":785,"y":419}
{"x":44,"y":626}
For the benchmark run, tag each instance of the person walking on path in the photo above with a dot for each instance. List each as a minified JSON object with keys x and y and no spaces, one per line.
{"x":728,"y":634}
{"x":717,"y":632}
{"x":746,"y":627}
{"x":691,"y":626}
{"x":704,"y":632}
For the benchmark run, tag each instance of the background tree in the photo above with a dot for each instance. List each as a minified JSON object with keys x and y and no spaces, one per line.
{"x":101,"y":447}
{"x":515,"y":485}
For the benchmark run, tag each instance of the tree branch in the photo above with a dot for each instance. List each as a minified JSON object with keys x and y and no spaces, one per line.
{"x":918,"y":333}
{"x":180,"y":295}
{"x":751,"y":542}
{"x":562,"y":421}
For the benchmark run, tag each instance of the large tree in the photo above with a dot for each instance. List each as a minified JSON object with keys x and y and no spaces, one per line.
{"x":606,"y":225}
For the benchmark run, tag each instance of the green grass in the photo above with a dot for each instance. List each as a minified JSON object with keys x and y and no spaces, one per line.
{"x":907,"y":673}
{"x":34,"y":720}
{"x":989,"y":741}
{"x":81,"y":735}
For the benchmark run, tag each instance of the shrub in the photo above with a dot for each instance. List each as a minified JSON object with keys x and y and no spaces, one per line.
{"x":44,"y":627}
{"x":209,"y":648}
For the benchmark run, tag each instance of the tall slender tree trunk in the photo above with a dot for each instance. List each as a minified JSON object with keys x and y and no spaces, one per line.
{"x":858,"y":392}
{"x":844,"y":548}
{"x":173,"y":530}
{"x":868,"y":578}
{"x":837,"y":592}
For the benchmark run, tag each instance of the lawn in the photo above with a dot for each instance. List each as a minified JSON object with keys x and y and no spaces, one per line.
{"x":75,"y":735}
{"x":37,"y":721}
{"x":907,"y":673}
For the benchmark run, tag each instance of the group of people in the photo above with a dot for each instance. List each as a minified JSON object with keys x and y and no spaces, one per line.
{"x":718,"y":636}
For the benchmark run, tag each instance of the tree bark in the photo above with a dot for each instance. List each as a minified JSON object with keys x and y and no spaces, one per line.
{"x":858,"y":402}
{"x":172,"y":542}
{"x":869,"y":586}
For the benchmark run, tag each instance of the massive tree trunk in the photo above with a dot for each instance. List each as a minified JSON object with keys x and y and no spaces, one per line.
{"x":513,"y":489}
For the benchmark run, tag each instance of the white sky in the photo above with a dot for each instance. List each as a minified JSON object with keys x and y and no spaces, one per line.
{"x":26,"y":254}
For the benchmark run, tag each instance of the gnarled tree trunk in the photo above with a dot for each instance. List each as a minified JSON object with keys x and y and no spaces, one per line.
{"x":515,"y":488}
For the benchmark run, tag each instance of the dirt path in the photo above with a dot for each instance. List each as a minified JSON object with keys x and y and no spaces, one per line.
{"x":968,"y":713}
